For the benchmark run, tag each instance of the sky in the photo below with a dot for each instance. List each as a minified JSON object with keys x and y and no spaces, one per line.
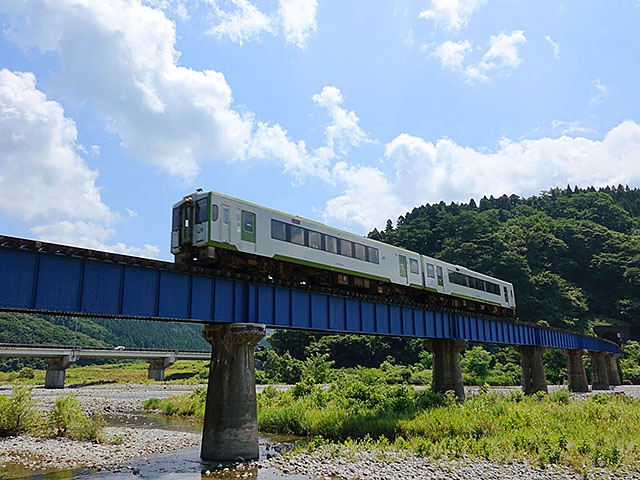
{"x":345,"y":112}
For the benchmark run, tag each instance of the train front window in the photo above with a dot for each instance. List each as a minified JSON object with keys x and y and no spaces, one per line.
{"x":201,"y":210}
{"x":175,"y":222}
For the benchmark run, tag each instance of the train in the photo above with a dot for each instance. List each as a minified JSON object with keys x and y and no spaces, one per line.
{"x":238,"y":237}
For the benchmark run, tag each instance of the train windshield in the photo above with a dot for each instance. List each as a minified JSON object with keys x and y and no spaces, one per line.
{"x":175,"y":223}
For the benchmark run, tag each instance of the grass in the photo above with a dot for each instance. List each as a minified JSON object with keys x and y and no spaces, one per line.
{"x":183,"y":371}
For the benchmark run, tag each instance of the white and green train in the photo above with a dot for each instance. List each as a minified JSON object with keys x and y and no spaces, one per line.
{"x":237,"y":236}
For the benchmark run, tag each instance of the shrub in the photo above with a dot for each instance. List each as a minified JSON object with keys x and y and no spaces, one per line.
{"x":67,"y":419}
{"x":18,"y":413}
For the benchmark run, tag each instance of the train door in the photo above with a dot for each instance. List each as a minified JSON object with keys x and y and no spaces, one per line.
{"x":248,"y":229}
{"x":201,"y":221}
{"x":182,"y":226}
{"x":402,"y":262}
{"x":439,"y":276}
{"x":225,"y":228}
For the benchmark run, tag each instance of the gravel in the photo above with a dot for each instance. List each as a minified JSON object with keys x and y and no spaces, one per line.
{"x":325,"y":463}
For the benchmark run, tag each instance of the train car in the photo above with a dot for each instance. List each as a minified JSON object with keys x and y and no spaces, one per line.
{"x":234,"y":235}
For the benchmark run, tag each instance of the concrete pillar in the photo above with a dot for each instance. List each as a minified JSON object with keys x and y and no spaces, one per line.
{"x":599,"y":371}
{"x":533,"y":377}
{"x":57,"y":369}
{"x":447,"y":374}
{"x":576,"y":373}
{"x":231,"y":419}
{"x":157,"y":367}
{"x":614,"y":373}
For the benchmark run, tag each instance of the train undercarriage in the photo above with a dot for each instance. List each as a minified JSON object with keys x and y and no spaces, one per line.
{"x":270,"y":271}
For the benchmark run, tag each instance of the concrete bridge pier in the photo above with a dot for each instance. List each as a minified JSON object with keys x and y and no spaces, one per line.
{"x":599,"y":371}
{"x":447,"y":374}
{"x":231,"y":418}
{"x":614,"y":373}
{"x":576,"y":373}
{"x":533,"y":377}
{"x":57,"y":369}
{"x":157,"y":367}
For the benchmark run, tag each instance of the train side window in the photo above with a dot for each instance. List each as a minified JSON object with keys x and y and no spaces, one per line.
{"x":225,"y":215}
{"x":331,"y":244}
{"x":315,"y":240}
{"x":413,"y":265}
{"x":201,"y":210}
{"x":214,"y":212}
{"x":372,"y":255}
{"x":360,"y":251}
{"x":431,"y":270}
{"x":346,"y":248}
{"x":278,"y":230}
{"x":297,"y":235}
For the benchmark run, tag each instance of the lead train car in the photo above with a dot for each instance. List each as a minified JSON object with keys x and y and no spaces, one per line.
{"x":209,"y":227}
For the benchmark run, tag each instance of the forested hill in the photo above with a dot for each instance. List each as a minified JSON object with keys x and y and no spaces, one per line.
{"x":573,"y":255}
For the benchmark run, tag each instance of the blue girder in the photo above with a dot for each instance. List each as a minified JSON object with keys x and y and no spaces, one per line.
{"x":45,"y":278}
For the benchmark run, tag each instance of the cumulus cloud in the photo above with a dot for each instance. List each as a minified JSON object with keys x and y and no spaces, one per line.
{"x":344,"y":130}
{"x":298,"y":19}
{"x":501,"y":57}
{"x":416,"y":171}
{"x":44,"y":181}
{"x":452,"y":54}
{"x":451,"y":14}
{"x":120,"y":57}
{"x":242,"y":21}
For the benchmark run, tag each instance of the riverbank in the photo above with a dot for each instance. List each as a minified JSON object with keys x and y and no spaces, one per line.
{"x":132,"y":445}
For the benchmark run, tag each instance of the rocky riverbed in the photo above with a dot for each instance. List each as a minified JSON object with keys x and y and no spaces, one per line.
{"x":133,"y":444}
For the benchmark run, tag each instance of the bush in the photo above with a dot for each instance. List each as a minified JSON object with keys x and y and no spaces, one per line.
{"x":18,"y":413}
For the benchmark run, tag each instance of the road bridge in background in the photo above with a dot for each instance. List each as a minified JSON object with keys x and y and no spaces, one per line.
{"x":42,"y":278}
{"x":60,"y":357}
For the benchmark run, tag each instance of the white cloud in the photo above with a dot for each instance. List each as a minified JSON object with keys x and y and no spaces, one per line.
{"x":42,"y":176}
{"x":501,"y":57}
{"x":120,"y":57}
{"x":451,"y":14}
{"x":244,"y":23}
{"x":556,"y":47}
{"x":503,"y":53}
{"x":43,"y":179}
{"x":298,"y":19}
{"x":452,"y":54}
{"x":416,"y":172}
{"x":600,"y":93}
{"x":344,"y":130}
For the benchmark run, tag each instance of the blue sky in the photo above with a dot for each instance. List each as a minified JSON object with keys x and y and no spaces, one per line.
{"x":345,"y":112}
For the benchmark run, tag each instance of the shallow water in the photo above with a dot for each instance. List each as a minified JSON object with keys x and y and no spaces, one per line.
{"x":184,"y":464}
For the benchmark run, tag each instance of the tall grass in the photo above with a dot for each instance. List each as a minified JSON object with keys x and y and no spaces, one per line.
{"x":19,"y":415}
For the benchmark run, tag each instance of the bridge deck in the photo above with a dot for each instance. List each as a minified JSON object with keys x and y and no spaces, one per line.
{"x":46,"y":278}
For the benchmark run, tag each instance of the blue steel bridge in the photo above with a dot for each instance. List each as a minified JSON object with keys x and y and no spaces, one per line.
{"x":44,"y":278}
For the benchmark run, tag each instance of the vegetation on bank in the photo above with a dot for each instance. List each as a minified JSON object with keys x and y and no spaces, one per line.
{"x":600,"y":431}
{"x":19,"y":415}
